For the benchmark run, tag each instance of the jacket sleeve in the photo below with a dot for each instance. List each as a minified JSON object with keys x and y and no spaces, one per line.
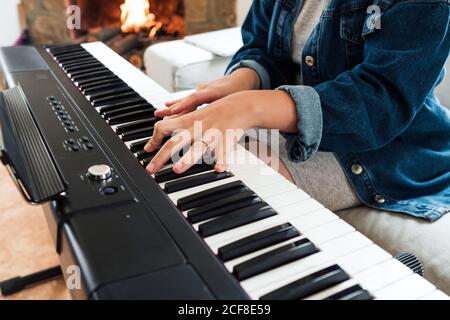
{"x":369,"y":106}
{"x":254,"y":53}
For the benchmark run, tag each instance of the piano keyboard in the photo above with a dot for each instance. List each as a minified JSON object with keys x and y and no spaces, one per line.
{"x":276,"y":240}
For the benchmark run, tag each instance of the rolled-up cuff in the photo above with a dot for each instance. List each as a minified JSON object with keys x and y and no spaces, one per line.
{"x":302,"y":145}
{"x":259,"y":69}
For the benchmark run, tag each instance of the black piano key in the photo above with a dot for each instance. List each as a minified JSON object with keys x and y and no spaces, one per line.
{"x":82,"y":66}
{"x":82,"y":84}
{"x":168,"y":174}
{"x":146,"y":161}
{"x":120,"y":104}
{"x":275,"y":258}
{"x":62,"y":54}
{"x":309,"y":285}
{"x":131,"y":108}
{"x":87,"y":71}
{"x":135,"y":125}
{"x":109,"y":92}
{"x":78,"y":63}
{"x":60,"y":51}
{"x":258,"y":241}
{"x":136,"y":134}
{"x":92,"y":75}
{"x":142,"y":155}
{"x":211,"y":195}
{"x":131,"y":116}
{"x":105,"y":85}
{"x":223,"y":206}
{"x":73,"y":57}
{"x":190,"y":182}
{"x":236,"y":219}
{"x":353,"y":293}
{"x":114,"y":98}
{"x":138,"y":145}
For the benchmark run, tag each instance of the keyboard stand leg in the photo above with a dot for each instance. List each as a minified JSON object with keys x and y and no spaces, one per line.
{"x":18,"y":284}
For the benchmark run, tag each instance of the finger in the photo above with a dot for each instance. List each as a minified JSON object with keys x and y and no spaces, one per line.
{"x":192,"y":102}
{"x":172,"y":146}
{"x":176,"y":115}
{"x":191,"y":157}
{"x":161,"y":130}
{"x":221,"y":157}
{"x":163,"y":113}
{"x":171,"y":103}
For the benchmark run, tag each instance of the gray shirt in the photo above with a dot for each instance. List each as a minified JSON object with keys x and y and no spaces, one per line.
{"x":307,"y":20}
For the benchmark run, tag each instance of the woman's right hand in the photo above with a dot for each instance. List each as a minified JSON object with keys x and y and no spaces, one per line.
{"x":240,"y":80}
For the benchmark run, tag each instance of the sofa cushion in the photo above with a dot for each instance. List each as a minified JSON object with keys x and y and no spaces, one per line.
{"x":397,"y":233}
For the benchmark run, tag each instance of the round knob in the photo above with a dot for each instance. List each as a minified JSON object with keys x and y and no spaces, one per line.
{"x":99,"y":172}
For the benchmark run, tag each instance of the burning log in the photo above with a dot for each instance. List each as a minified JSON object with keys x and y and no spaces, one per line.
{"x":105,"y":34}
{"x":125,"y":44}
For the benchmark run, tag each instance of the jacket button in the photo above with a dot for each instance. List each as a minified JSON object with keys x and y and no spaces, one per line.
{"x":380,"y":199}
{"x":309,"y":61}
{"x":357,"y":169}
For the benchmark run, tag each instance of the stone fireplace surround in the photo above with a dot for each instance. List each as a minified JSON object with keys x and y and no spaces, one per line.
{"x":46,"y":19}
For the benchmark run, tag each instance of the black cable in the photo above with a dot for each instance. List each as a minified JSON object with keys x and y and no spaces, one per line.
{"x":17,"y":284}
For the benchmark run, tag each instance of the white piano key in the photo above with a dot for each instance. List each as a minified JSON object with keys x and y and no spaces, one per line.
{"x":276,"y":189}
{"x":383,"y":275}
{"x":436,"y":295}
{"x":250,"y":178}
{"x":303,"y":224}
{"x":285,"y":214}
{"x":317,"y":236}
{"x":410,"y":288}
{"x":287,"y":198}
{"x":133,"y":77}
{"x":184,"y":193}
{"x":362,"y":260}
{"x":330,"y":251}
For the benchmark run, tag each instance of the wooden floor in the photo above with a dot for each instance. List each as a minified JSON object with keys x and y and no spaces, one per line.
{"x":25,"y":243}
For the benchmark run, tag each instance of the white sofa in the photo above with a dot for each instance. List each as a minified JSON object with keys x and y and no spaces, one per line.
{"x":179,"y":66}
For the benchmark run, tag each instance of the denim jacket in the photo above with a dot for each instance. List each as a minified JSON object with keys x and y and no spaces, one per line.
{"x":369,"y":68}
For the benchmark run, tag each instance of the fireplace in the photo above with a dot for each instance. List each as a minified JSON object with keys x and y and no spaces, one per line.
{"x":46,"y":19}
{"x":127,"y":26}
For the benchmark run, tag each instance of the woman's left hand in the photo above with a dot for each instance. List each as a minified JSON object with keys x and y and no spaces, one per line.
{"x":217,"y":127}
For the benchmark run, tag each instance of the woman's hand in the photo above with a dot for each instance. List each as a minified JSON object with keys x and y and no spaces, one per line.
{"x":240,"y":80}
{"x":222,"y":124}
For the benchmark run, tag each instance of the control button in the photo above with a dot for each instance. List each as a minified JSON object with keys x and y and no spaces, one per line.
{"x":75,"y":148}
{"x":357,"y":169}
{"x":108,"y":191}
{"x":99,"y":172}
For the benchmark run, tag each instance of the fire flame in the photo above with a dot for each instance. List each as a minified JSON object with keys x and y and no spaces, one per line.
{"x":136,"y":16}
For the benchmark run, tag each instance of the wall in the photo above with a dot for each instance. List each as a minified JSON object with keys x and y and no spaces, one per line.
{"x":9,"y":22}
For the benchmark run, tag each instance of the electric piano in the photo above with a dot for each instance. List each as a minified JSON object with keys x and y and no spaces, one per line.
{"x":74,"y":121}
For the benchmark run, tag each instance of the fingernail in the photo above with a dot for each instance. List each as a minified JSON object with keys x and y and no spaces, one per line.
{"x":151,"y":168}
{"x":178,"y":167}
